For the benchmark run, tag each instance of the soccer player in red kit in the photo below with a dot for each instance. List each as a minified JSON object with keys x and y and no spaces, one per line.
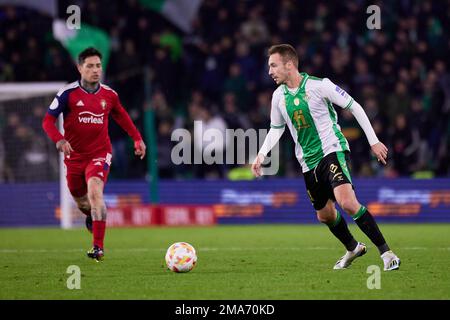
{"x":86,"y":105}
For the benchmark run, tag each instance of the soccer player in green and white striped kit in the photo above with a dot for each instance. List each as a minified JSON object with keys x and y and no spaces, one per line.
{"x":305,"y":104}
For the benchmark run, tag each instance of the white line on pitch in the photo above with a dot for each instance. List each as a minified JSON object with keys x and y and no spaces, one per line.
{"x":202,"y":249}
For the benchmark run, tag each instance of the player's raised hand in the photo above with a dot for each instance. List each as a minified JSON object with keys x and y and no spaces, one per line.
{"x":64,"y":147}
{"x":139,"y":148}
{"x":256,"y":166}
{"x":380,"y":151}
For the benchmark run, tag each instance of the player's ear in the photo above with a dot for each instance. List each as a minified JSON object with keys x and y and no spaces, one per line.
{"x":289,"y":65}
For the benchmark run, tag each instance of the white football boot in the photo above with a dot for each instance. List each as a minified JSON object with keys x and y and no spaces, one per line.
{"x":391,"y":261}
{"x":346,"y":260}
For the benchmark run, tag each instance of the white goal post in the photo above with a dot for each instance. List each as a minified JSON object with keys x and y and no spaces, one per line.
{"x":23,"y":96}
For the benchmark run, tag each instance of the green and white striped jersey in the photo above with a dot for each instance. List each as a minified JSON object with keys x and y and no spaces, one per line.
{"x":311,"y":118}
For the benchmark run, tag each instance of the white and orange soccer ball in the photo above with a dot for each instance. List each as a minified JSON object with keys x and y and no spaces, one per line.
{"x":181,"y":257}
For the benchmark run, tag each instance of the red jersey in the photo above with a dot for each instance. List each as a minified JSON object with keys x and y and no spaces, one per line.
{"x":86,"y":117}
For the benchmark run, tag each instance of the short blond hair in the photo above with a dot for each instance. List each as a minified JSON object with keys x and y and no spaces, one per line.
{"x":286,"y":51}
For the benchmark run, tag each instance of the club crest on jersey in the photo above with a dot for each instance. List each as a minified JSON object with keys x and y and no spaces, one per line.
{"x":103,"y":104}
{"x":296,"y":101}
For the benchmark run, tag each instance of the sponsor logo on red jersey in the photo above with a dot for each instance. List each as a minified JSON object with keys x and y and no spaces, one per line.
{"x":90,"y":117}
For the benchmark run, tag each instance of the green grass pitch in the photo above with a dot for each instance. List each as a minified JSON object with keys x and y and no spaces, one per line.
{"x":234,"y":262}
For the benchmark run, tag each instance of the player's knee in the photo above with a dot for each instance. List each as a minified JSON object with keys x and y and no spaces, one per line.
{"x":351,"y":206}
{"x":326,"y":215}
{"x":95,"y":191}
{"x":326,"y":219}
{"x":97,"y":203}
{"x":95,"y":197}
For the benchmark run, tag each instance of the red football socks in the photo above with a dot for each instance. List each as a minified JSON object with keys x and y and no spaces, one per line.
{"x":98,"y":230}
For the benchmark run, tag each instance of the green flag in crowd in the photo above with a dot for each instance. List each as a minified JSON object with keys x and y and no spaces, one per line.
{"x":180,"y":12}
{"x":76,"y":40}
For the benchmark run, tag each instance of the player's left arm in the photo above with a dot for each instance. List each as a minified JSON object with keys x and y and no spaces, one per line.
{"x":341,"y":98}
{"x":121,"y":116}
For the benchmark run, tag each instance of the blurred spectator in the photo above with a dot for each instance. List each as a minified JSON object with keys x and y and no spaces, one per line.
{"x":210,"y":143}
{"x":405,"y":145}
{"x":239,"y":123}
{"x":254,"y":30}
{"x":166,"y":168}
{"x":247,"y":64}
{"x":12,"y":123}
{"x":214,"y":74}
{"x":362,"y":75}
{"x":236,"y":84}
{"x":360,"y":151}
{"x":398,"y":102}
{"x":233,"y":118}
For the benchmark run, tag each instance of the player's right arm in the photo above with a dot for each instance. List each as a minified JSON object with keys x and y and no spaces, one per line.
{"x":58,"y":105}
{"x":277,"y":124}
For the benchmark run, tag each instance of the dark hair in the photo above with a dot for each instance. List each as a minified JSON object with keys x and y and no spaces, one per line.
{"x":88,"y":52}
{"x":286,"y":51}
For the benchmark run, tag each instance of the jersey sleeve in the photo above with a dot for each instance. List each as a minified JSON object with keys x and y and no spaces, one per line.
{"x":276,"y":118}
{"x":336,"y":94}
{"x":59,"y":103}
{"x":58,"y":106}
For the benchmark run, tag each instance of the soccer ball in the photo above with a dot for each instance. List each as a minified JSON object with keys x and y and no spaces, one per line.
{"x":181,"y":257}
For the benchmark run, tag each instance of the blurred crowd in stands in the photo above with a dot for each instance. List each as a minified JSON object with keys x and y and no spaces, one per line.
{"x":218,"y":74}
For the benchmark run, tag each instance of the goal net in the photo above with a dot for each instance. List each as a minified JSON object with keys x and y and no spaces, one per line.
{"x":29,"y":161}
